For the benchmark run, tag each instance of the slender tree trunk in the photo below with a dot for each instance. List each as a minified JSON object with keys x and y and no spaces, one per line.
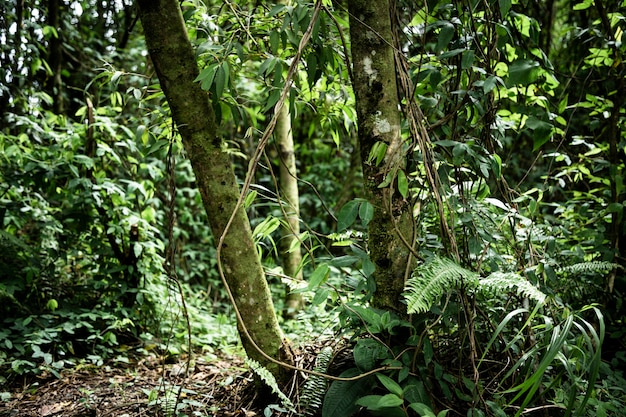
{"x":377,"y":106}
{"x":175,"y":64}
{"x":55,"y":57}
{"x":289,"y":192}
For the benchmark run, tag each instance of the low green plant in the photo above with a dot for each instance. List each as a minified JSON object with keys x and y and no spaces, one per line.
{"x":270,"y":381}
{"x":549,"y":355}
{"x":315,"y":387}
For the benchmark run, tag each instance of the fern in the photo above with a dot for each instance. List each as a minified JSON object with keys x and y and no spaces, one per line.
{"x":501,"y":282}
{"x":594,"y":266}
{"x":270,"y":381}
{"x":433,"y":279}
{"x":439,"y":275}
{"x":315,"y":387}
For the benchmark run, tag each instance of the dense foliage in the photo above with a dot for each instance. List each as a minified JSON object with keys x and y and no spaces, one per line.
{"x":517,"y":108}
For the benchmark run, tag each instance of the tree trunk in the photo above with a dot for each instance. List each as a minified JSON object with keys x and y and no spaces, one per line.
{"x":175,"y":64}
{"x":289,"y":192}
{"x":55,"y":58}
{"x":378,"y":114}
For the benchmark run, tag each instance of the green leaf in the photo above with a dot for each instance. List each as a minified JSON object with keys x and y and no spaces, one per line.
{"x":311,"y":68}
{"x":523,"y":71}
{"x":207,"y":76}
{"x":505,"y":6}
{"x":368,"y":267}
{"x":416,"y":393}
{"x":403,"y":184}
{"x":220,"y":81}
{"x":137,"y":249}
{"x":341,"y":397}
{"x":274,"y":41}
{"x":367,"y":352}
{"x":318,"y":276}
{"x":370,"y":402}
{"x":584,"y":5}
{"x":489,"y":84}
{"x":450,"y":54}
{"x":366,"y":212}
{"x":52,"y":304}
{"x":347,"y":215}
{"x":320,"y":296}
{"x":391,"y":385}
{"x":249,"y":199}
{"x":496,"y":165}
{"x":542,"y":131}
{"x":446,"y":33}
{"x":390,"y":400}
{"x":467,"y":60}
{"x":422,"y":409}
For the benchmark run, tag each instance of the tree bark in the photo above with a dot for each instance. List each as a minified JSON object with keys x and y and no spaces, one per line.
{"x":289,"y":193}
{"x":55,"y":58}
{"x":379,"y":120}
{"x":175,"y":64}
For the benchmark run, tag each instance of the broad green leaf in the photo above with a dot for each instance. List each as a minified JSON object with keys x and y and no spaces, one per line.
{"x":416,"y":393}
{"x":347,"y":215}
{"x":366,"y":212}
{"x":450,"y":54}
{"x":391,"y":385}
{"x":377,"y":153}
{"x":220,"y":81}
{"x":489,"y":84}
{"x":467,"y":60}
{"x":272,"y":99}
{"x":496,"y":165}
{"x":446,"y":33}
{"x":542,"y":131}
{"x":311,"y":68}
{"x":367,"y":353}
{"x":341,"y":397}
{"x":505,"y":6}
{"x":370,"y":402}
{"x":389,"y":400}
{"x":318,"y":276}
{"x":137,"y":249}
{"x":422,"y":409}
{"x":249,"y":199}
{"x":52,"y":304}
{"x":523,"y":71}
{"x":274,"y":41}
{"x":267,"y":66}
{"x":368,"y":267}
{"x":226,"y":68}
{"x":583,"y":5}
{"x":320,"y":296}
{"x":403,"y":184}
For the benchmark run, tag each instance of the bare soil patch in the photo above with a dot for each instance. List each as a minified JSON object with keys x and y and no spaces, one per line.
{"x":214,"y":387}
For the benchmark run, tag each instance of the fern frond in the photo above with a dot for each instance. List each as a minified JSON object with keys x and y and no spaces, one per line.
{"x":594,"y":266}
{"x":433,"y":279}
{"x":315,"y":387}
{"x":267,"y":377}
{"x":504,"y":282}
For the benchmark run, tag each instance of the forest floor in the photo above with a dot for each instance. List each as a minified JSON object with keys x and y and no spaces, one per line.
{"x":216,"y":386}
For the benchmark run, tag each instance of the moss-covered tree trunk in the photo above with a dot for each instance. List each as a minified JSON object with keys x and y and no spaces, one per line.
{"x":379,"y":119}
{"x":290,"y":242}
{"x":175,"y":64}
